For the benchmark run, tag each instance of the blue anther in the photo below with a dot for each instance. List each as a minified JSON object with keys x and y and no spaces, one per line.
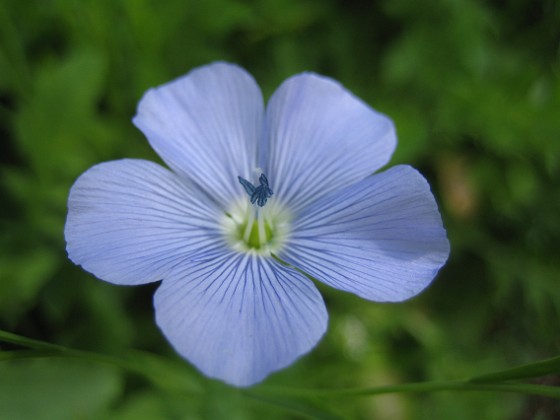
{"x":259,"y":194}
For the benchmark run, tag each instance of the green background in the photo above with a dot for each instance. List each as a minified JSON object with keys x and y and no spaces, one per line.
{"x":474,"y":90}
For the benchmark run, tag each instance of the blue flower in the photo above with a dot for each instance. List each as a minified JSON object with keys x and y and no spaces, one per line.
{"x":257,"y":201}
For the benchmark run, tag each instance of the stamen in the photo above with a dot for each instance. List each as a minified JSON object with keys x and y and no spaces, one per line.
{"x":249,"y":227}
{"x":262,"y":232}
{"x":260,"y":194}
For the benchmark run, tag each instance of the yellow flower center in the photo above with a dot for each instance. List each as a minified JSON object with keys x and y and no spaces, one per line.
{"x":263,"y":230}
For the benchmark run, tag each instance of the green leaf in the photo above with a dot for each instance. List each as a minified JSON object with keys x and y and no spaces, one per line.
{"x":531,"y":370}
{"x":165,"y":373}
{"x":142,"y":406}
{"x":305,"y":409}
{"x":22,"y":277}
{"x":53,"y":126}
{"x":56,"y":389}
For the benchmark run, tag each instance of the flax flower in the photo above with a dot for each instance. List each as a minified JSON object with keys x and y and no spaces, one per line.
{"x":255,"y":203}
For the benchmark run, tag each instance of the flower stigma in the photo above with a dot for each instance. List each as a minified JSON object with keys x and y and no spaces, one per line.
{"x":250,"y":226}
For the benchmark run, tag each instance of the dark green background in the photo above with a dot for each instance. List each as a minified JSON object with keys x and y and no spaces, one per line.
{"x":473,"y":87}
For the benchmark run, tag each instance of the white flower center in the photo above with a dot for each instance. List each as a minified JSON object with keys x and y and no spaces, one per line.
{"x":263,"y":230}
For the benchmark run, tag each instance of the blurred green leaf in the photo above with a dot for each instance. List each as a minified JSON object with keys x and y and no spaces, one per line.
{"x":530,"y":370}
{"x":56,"y":389}
{"x":142,"y":406}
{"x":304,"y":409}
{"x":474,"y":90}
{"x":61,"y":114}
{"x":21,"y":278}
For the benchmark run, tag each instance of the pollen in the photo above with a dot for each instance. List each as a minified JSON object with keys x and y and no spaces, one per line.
{"x":260,"y":194}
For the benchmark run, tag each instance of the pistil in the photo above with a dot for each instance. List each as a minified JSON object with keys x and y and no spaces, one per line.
{"x":263,"y":240}
{"x":252,"y":227}
{"x":257,"y":232}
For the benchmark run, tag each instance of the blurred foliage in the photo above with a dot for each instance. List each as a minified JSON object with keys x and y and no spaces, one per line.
{"x":474,"y":89}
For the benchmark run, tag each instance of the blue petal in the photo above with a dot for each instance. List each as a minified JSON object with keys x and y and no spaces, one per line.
{"x":130,"y":221}
{"x":382,"y":238}
{"x":321,"y":138}
{"x":206,"y":126}
{"x":240,"y":317}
